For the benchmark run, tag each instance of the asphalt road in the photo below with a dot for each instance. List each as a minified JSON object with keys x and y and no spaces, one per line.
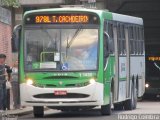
{"x":144,"y":107}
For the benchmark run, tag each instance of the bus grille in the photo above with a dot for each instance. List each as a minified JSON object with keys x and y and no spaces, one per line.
{"x":69,"y":95}
{"x":66,"y":86}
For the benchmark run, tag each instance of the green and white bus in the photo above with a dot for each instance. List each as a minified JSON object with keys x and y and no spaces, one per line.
{"x":78,"y":59}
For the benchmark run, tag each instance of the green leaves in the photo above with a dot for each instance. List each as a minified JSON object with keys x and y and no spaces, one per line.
{"x":13,"y":3}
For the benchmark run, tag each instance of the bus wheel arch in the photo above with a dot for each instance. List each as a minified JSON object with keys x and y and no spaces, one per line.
{"x":106,"y":109}
{"x":131,"y":103}
{"x":134,"y":88}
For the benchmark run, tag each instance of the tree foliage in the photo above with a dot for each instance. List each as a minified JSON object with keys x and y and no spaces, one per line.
{"x":13,"y":3}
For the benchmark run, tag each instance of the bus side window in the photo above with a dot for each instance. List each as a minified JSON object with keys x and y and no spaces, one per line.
{"x":111,"y":41}
{"x":105,"y":45}
{"x":136,"y":39}
{"x":131,"y":39}
{"x":141,"y":41}
{"x":108,"y":40}
{"x":121,"y":39}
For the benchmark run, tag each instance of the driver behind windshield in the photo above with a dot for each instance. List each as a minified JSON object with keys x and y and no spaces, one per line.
{"x":83,"y":58}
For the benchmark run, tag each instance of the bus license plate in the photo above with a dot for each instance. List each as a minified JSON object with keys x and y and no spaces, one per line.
{"x":61,"y":92}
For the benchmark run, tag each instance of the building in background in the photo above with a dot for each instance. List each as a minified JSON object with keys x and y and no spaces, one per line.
{"x":5,"y":33}
{"x":26,"y":5}
{"x":99,"y":4}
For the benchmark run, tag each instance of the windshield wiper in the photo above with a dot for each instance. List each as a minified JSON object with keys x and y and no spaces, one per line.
{"x":67,"y":47}
{"x":73,"y":38}
{"x":69,"y":43}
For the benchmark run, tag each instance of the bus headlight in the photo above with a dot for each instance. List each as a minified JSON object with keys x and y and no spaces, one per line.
{"x":82,"y":84}
{"x":29,"y":81}
{"x":92,"y":81}
{"x":146,"y":85}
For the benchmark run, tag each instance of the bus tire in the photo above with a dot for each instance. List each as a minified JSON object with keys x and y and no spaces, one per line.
{"x":38,"y":111}
{"x":118,"y":106}
{"x":106,"y":109}
{"x":135,"y":96}
{"x":130,"y":104}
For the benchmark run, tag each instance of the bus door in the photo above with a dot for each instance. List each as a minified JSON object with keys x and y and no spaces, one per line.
{"x":116,"y":83}
{"x":122,"y":61}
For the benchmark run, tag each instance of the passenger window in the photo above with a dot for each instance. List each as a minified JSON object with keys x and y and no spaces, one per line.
{"x":121,"y":39}
{"x":131,"y":39}
{"x":111,"y":41}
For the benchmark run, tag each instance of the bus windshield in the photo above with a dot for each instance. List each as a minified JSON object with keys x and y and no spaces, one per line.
{"x":67,"y":49}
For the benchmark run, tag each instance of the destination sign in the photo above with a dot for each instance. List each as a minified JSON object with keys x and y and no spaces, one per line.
{"x":73,"y":18}
{"x":154,"y":58}
{"x":62,"y":19}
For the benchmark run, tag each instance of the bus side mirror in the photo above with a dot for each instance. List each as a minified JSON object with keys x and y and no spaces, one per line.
{"x":16,"y":38}
{"x":109,"y":42}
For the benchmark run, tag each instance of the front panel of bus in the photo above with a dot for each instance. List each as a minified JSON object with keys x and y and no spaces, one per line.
{"x":60,"y":59}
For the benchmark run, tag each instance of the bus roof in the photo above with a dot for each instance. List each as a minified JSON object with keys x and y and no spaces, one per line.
{"x":64,"y":9}
{"x":127,"y":19}
{"x":115,"y":16}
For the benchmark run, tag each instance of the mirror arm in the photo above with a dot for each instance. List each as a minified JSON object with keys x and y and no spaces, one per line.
{"x":107,"y":35}
{"x":17,"y":27}
{"x":108,"y":38}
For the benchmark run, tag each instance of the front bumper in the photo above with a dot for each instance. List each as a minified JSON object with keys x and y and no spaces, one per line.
{"x":93,"y":91}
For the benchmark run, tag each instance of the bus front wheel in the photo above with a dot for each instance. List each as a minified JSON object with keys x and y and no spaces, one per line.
{"x":106,"y":109}
{"x":38,"y":111}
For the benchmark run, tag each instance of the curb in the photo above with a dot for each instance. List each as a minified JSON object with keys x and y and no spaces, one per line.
{"x":20,"y":112}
